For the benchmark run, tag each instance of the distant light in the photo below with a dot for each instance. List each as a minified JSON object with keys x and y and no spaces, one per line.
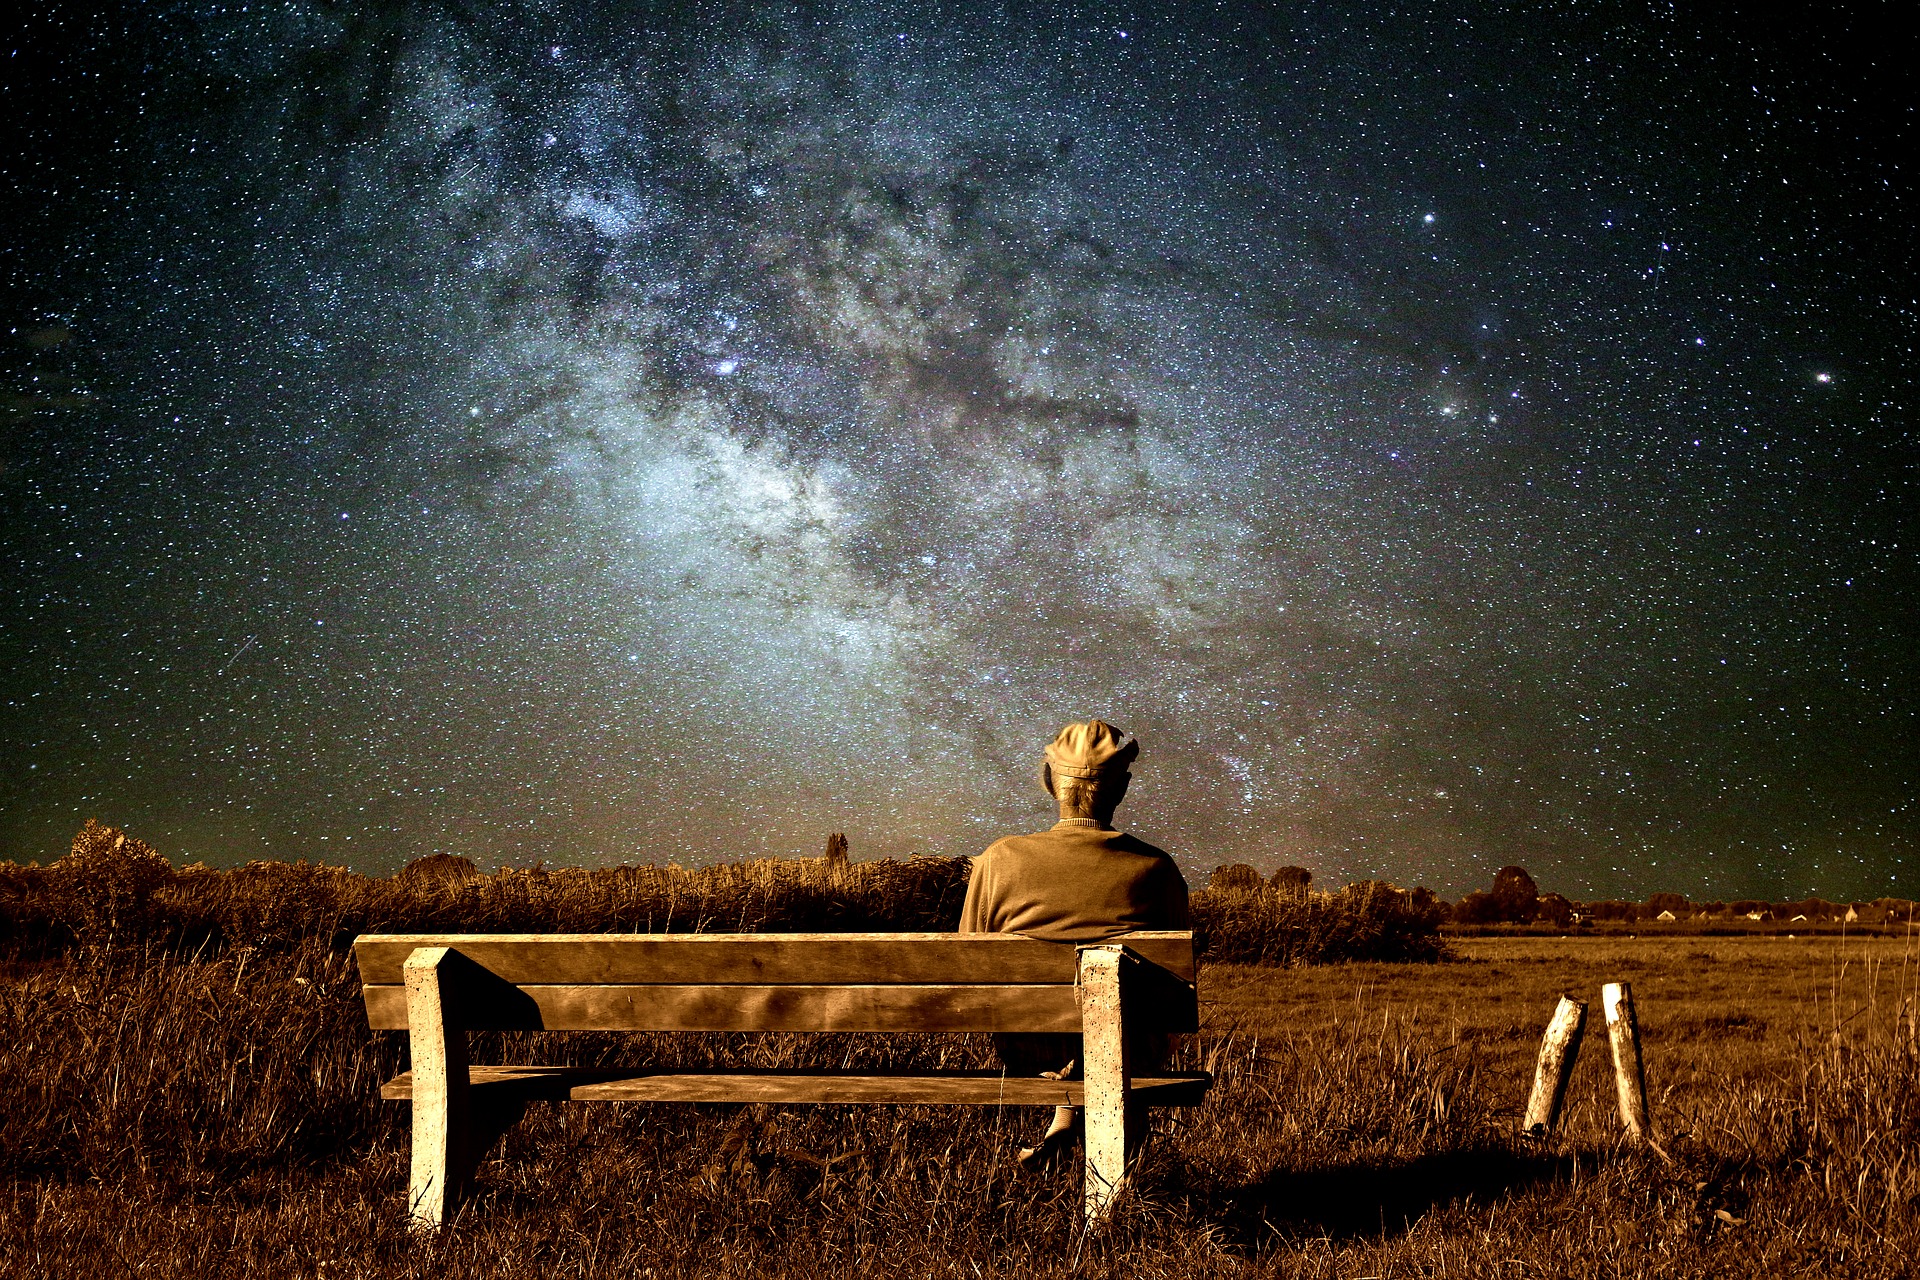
{"x":1428,"y":218}
{"x":1823,"y":377}
{"x":726,"y":368}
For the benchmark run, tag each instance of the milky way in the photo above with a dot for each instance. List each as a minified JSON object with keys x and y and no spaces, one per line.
{"x":595,"y":433}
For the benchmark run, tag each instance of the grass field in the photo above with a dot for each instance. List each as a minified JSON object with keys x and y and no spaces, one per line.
{"x":172,"y":1116}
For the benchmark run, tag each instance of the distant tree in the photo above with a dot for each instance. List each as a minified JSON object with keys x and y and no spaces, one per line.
{"x":837,"y":847}
{"x":1235,"y":877}
{"x":1477,"y":908}
{"x":1517,"y":895}
{"x":1556,"y":910}
{"x":1898,"y":910}
{"x":1292,"y":882}
{"x":1747,"y":907}
{"x":1613,"y":910}
{"x":1674,"y":902}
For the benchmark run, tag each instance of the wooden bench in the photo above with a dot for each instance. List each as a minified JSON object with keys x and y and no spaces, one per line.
{"x":437,"y":987}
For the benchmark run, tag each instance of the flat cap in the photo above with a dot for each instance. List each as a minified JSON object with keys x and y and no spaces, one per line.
{"x":1090,"y":750}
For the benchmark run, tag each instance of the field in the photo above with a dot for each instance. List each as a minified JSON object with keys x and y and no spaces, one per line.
{"x":174,"y":1116}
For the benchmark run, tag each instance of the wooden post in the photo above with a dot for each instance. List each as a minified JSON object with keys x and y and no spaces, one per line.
{"x":1629,"y":1071}
{"x":1107,"y":1076}
{"x":1559,"y":1047}
{"x":442,"y":1117}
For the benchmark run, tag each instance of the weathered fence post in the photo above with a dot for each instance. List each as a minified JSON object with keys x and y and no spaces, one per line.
{"x":1629,"y":1071}
{"x":1559,"y":1047}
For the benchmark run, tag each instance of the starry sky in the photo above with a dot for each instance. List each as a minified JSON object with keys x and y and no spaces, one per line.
{"x":1446,"y":435}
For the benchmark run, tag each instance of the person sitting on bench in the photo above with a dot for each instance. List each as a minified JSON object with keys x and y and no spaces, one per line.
{"x":1080,"y":881}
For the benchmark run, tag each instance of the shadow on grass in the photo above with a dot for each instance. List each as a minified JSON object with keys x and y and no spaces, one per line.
{"x":1376,"y":1197}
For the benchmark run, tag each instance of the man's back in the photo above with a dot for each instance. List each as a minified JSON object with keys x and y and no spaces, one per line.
{"x":1081,"y":881}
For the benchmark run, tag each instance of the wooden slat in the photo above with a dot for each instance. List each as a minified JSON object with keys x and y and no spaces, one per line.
{"x":442,"y":1147}
{"x":948,"y":1088}
{"x":762,"y":958}
{"x":750,"y":1008}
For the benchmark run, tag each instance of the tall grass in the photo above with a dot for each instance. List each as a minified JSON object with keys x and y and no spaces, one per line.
{"x":115,"y":888}
{"x":218,"y":1116}
{"x":188,"y":1087}
{"x":1364,"y":921}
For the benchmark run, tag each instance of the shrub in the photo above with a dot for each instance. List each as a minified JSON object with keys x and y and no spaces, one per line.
{"x":1235,"y":878}
{"x":1292,"y":881}
{"x":110,"y":878}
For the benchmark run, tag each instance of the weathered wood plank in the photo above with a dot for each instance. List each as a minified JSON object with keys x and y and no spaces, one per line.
{"x":946,"y":1088}
{"x":749,"y":1008}
{"x":1106,"y":1068}
{"x":440,"y":1107}
{"x":763,"y":958}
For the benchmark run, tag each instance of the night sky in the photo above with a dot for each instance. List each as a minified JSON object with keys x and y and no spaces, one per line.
{"x":1446,"y":435}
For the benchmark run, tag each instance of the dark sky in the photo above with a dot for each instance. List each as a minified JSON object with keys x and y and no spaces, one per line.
{"x":1446,"y":435}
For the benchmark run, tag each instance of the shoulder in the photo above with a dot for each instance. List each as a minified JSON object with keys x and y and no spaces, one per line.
{"x":1001,"y":848}
{"x":1135,"y":845}
{"x":1163,"y":863}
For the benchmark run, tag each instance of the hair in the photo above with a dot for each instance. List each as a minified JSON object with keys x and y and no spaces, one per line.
{"x":1086,"y":796}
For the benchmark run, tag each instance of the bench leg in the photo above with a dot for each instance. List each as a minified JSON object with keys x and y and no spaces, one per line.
{"x":1110,"y":1121}
{"x":442,"y":1102}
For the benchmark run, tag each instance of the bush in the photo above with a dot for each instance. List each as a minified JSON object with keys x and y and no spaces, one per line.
{"x":1370,"y":920}
{"x":110,"y":877}
{"x":1293,"y":882}
{"x":1236,"y":878}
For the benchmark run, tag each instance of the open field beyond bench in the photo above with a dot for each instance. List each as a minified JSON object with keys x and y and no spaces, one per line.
{"x":437,"y":987}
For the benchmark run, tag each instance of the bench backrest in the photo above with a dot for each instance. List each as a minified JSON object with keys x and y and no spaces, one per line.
{"x":775,"y":982}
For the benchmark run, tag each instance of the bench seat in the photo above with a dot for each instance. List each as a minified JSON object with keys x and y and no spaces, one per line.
{"x":992,"y":1088}
{"x":437,"y":988}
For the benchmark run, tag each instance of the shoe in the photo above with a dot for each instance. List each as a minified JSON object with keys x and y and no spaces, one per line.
{"x":1050,"y":1153}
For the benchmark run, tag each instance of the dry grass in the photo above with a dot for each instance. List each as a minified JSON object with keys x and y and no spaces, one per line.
{"x":114,"y":889}
{"x":176,"y":1113}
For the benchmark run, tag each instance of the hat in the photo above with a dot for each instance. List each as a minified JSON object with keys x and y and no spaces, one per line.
{"x":1090,"y":750}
